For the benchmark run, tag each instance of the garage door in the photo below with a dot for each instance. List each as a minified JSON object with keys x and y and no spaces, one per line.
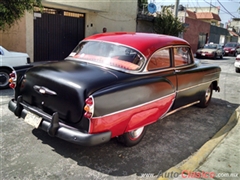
{"x":56,"y":33}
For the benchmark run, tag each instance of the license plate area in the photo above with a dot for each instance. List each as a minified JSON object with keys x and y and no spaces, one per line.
{"x":33,"y":119}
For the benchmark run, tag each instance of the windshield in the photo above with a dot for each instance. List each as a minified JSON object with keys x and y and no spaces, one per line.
{"x":107,"y":54}
{"x":230,"y":45}
{"x":210,"y":46}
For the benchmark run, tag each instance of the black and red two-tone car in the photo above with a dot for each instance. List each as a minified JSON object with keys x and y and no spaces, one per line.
{"x":113,"y":85}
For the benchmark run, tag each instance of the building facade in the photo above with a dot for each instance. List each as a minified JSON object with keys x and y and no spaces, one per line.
{"x":32,"y":29}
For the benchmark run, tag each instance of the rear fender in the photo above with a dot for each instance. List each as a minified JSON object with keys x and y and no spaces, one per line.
{"x":159,"y":109}
{"x":123,"y":110}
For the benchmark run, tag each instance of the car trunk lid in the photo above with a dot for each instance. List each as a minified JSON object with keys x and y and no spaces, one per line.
{"x":63,"y":87}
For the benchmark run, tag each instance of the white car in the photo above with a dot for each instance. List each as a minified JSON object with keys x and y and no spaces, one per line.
{"x":237,"y":64}
{"x":10,"y":61}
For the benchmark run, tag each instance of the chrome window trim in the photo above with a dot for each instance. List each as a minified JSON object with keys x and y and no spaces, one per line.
{"x":150,"y":58}
{"x":143,"y":69}
{"x":191,"y":56}
{"x":172,"y":67}
{"x":111,"y":67}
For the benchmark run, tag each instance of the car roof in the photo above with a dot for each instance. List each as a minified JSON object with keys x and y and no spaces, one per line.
{"x":146,"y":43}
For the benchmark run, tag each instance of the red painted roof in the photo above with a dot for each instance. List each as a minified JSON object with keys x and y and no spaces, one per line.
{"x":143,"y":42}
{"x":207,"y":15}
{"x":203,"y":15}
{"x":233,"y":33}
{"x":191,"y":14}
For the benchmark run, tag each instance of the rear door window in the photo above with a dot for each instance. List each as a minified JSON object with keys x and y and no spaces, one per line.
{"x":159,"y":60}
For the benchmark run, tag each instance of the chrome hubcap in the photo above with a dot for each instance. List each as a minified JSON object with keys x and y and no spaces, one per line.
{"x":208,"y":94}
{"x":136,"y":133}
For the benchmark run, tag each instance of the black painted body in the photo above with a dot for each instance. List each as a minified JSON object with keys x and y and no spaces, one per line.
{"x":113,"y":90}
{"x":126,"y":96}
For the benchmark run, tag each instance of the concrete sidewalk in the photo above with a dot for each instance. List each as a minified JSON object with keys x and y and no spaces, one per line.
{"x":219,"y":158}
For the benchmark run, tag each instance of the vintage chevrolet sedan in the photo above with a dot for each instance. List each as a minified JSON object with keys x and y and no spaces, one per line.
{"x":112,"y":85}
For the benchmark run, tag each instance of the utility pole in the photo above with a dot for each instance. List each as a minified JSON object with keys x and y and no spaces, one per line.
{"x":176,"y":8}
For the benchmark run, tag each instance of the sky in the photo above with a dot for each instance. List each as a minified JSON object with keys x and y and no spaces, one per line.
{"x":228,"y":8}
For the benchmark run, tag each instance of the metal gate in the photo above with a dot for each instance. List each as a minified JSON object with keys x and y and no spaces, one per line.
{"x":56,"y":33}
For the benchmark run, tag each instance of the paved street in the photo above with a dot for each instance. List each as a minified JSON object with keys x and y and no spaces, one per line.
{"x":28,"y":153}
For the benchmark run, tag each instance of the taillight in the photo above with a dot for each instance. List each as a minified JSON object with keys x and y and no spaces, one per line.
{"x":89,"y":107}
{"x":12,"y":79}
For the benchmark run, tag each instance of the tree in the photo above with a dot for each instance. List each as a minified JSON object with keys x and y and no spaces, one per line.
{"x":13,"y":10}
{"x":141,"y":3}
{"x":166,"y":23}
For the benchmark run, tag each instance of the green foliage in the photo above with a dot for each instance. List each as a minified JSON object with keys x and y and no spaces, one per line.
{"x":141,"y":3}
{"x":13,"y":10}
{"x":166,"y":23}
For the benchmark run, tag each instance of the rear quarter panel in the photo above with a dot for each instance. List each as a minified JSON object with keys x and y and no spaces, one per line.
{"x":130,"y":105}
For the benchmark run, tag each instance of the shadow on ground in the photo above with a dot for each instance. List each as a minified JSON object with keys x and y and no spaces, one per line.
{"x":166,"y":143}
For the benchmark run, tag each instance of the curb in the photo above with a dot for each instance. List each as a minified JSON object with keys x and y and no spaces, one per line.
{"x":193,"y":162}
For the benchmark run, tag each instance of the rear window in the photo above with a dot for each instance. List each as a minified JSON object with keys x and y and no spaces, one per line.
{"x":108,"y":54}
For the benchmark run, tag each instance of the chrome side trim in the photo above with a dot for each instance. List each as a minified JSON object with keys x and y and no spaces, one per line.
{"x":183,"y":107}
{"x":167,"y":109}
{"x":197,"y":85}
{"x":211,"y":73}
{"x":136,"y":106}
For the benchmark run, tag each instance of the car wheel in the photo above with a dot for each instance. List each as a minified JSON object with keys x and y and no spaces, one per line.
{"x":235,"y":54}
{"x":206,"y":97}
{"x":133,"y":137}
{"x":221,"y":56}
{"x":4,"y":78}
{"x":237,"y":70}
{"x":215,"y":56}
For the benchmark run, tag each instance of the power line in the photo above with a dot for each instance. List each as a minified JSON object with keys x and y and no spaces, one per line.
{"x":200,"y":6}
{"x":220,"y":9}
{"x":225,"y":9}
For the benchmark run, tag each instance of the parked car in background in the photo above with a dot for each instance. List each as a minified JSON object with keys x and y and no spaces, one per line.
{"x":9,"y":61}
{"x":210,"y":50}
{"x":237,"y":64}
{"x":113,"y":85}
{"x":232,"y":48}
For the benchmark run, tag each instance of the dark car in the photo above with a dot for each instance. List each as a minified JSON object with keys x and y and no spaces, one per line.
{"x":232,"y":48}
{"x":210,"y":50}
{"x":113,"y":85}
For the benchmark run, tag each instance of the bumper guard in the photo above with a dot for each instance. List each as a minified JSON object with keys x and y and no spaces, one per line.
{"x":55,"y":128}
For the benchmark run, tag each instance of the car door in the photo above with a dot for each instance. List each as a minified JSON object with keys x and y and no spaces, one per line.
{"x":188,"y":77}
{"x":160,"y":66}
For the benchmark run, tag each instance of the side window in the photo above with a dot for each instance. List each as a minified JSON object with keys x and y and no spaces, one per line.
{"x":160,"y":59}
{"x":1,"y":51}
{"x":182,"y":56}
